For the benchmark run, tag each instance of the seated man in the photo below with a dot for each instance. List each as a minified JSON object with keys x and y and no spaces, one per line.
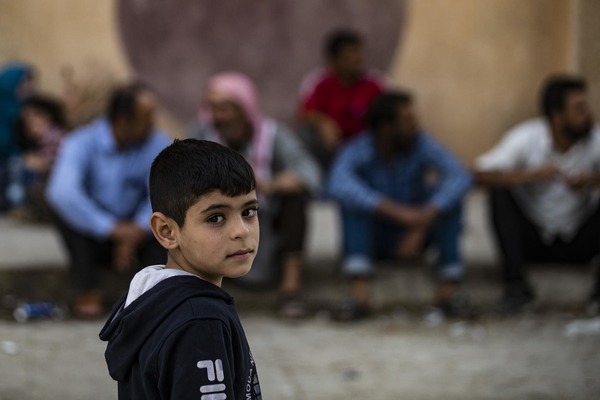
{"x":544,"y":178}
{"x":98,"y":190}
{"x":286,"y":175}
{"x":399,"y":190}
{"x":333,"y":102}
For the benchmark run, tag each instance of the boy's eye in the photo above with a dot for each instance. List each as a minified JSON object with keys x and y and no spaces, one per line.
{"x":215,"y":219}
{"x":251,"y":212}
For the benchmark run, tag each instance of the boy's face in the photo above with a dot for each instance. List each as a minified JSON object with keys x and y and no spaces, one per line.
{"x":219,"y":238}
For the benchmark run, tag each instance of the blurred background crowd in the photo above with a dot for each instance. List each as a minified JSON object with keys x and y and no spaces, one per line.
{"x":394,"y":111}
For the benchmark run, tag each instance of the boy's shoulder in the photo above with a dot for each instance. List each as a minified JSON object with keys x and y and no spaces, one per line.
{"x":205,"y":306}
{"x":200,"y":316}
{"x":175,"y":305}
{"x":193,"y":298}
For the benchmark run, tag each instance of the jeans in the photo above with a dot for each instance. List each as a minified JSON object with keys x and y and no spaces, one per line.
{"x":368,"y":237}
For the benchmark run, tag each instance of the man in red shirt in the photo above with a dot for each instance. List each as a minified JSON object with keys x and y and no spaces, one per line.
{"x":334,"y":101}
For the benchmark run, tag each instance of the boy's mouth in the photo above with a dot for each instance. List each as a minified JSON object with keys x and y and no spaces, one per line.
{"x":241,"y":253}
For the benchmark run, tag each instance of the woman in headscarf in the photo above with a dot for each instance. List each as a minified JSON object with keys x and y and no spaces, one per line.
{"x":16,"y":84}
{"x":286,"y":177}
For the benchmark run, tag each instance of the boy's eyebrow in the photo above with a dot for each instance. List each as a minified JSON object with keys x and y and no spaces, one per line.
{"x":220,"y":206}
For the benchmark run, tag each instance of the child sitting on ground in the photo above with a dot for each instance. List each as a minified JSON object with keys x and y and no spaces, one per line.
{"x":176,"y":334}
{"x":39,"y":133}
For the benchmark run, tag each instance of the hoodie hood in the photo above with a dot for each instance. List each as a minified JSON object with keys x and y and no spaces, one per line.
{"x":128,"y":328}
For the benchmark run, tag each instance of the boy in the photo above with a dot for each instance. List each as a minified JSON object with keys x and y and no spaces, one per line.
{"x":176,"y":334}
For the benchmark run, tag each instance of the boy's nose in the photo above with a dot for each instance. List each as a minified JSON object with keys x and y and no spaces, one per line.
{"x":240,"y":228}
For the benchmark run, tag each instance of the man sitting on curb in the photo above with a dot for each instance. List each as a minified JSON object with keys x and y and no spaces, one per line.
{"x":98,"y":190}
{"x":399,"y":191}
{"x":544,"y":178}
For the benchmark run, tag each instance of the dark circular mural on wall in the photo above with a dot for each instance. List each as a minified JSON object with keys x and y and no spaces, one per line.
{"x":176,"y":45}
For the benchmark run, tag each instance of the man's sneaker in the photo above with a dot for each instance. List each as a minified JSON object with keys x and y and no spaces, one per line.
{"x":516,"y":298}
{"x":350,"y":311}
{"x":459,"y":307}
{"x":593,"y":307}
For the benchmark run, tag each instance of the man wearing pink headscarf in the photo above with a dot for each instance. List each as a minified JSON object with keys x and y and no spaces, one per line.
{"x":286,"y":175}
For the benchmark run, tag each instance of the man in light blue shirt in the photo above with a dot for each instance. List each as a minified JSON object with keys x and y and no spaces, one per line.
{"x":399,"y":191}
{"x":98,"y":190}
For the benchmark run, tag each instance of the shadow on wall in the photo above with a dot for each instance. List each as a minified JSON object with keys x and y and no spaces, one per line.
{"x":276,"y":43}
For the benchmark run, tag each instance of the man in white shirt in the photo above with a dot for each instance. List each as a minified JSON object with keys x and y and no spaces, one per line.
{"x":544,"y":177}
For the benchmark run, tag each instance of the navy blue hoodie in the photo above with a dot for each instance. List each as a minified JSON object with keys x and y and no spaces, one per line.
{"x":182,"y":339}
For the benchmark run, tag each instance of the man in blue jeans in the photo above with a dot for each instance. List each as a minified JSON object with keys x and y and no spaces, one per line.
{"x":399,"y":191}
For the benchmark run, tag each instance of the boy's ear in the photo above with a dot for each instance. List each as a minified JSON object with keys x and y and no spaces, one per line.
{"x":164,"y":229}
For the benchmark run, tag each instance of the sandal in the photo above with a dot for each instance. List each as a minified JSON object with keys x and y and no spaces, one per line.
{"x":293,"y":307}
{"x":89,"y":306}
{"x":350,"y":311}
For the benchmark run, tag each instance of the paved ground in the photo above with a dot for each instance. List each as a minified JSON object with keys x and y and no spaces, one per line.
{"x":550,"y":353}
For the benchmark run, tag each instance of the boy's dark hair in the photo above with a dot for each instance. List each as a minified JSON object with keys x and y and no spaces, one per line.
{"x":190,"y":168}
{"x":338,"y":39}
{"x":555,"y":91}
{"x":384,"y":108}
{"x":122,"y":102}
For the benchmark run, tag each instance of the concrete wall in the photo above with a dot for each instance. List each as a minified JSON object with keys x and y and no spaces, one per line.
{"x":53,"y":34}
{"x":587,"y":47}
{"x":475,"y":66}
